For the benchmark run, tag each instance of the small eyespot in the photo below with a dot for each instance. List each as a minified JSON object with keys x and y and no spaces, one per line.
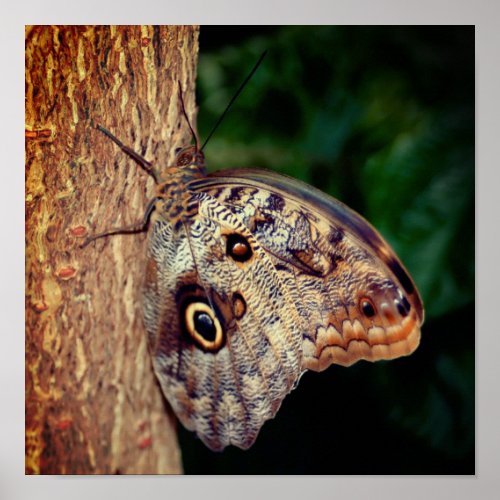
{"x":238,"y":248}
{"x":367,"y":308}
{"x":403,"y":306}
{"x":178,"y":150}
{"x":239,"y":306}
{"x":203,"y":326}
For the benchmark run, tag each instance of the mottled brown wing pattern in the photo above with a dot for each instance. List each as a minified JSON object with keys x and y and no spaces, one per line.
{"x":354,"y":298}
{"x":253,"y":278}
{"x":226,"y":382}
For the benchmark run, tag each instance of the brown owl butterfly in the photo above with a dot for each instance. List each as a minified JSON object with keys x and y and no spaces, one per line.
{"x":252,"y":278}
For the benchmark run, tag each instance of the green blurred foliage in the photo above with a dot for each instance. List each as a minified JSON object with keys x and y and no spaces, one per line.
{"x":382,"y":118}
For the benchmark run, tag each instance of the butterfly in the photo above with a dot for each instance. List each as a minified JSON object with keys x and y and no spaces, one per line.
{"x":252,"y":278}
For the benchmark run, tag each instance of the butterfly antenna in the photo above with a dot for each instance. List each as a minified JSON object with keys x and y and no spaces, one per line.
{"x":238,"y":92}
{"x":186,"y":116}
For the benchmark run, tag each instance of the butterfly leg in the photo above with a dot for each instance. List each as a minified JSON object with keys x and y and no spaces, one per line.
{"x":142,"y":225}
{"x":145,"y":164}
{"x":138,"y":227}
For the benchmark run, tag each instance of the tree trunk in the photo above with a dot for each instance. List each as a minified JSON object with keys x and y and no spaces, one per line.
{"x":93,"y":405}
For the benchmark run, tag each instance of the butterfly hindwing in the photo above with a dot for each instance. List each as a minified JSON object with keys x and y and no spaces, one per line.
{"x":226,"y":345}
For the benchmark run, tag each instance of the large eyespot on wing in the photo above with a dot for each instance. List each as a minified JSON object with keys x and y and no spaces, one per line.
{"x":200,"y":322}
{"x":354,"y":295}
{"x":224,"y":352}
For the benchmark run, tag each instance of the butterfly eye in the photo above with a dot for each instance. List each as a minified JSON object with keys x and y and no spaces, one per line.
{"x":203,"y":326}
{"x":184,"y":159}
{"x":178,"y":150}
{"x":238,"y":248}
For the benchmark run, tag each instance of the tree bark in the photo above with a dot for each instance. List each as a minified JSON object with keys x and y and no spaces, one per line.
{"x":93,"y":405}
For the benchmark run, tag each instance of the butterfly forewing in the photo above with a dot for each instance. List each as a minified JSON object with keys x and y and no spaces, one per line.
{"x":355,"y":299}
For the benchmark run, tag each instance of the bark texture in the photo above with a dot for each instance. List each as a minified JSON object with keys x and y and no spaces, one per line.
{"x":93,"y":405}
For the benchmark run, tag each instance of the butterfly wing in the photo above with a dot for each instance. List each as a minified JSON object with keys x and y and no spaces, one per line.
{"x":223,"y":329}
{"x":354,"y":297}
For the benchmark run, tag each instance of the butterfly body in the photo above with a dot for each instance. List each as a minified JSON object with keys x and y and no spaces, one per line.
{"x":253,"y":278}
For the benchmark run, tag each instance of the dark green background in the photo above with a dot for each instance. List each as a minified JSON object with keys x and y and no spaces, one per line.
{"x":383,"y":119}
